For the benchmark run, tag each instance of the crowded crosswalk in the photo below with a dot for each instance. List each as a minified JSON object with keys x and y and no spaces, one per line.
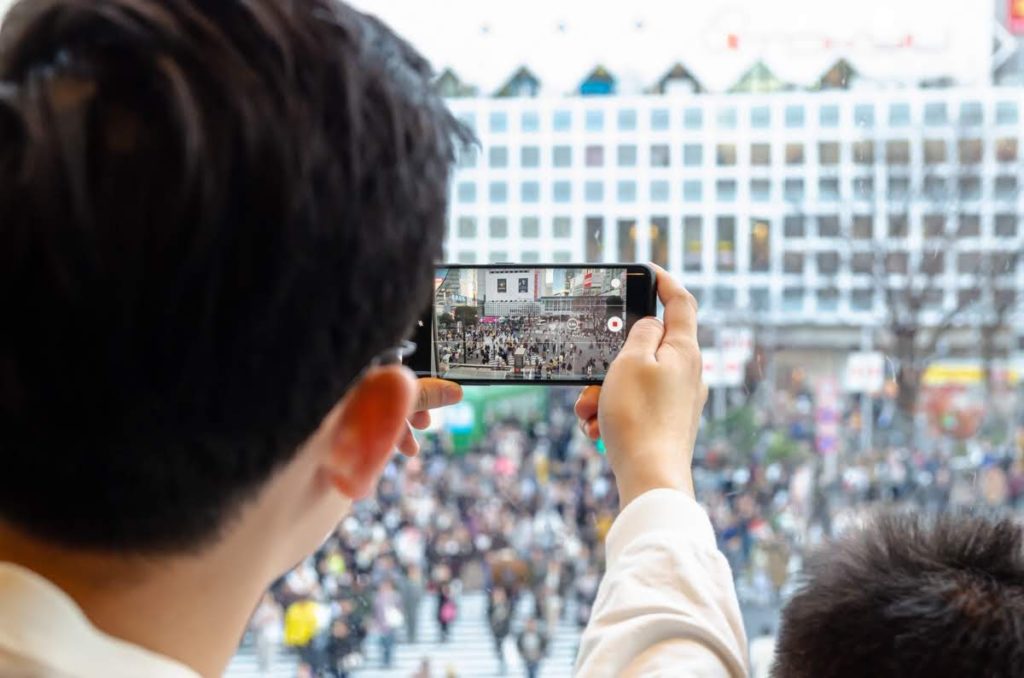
{"x":469,"y":652}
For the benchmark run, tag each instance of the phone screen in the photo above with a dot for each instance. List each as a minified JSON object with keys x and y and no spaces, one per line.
{"x":533,"y":323}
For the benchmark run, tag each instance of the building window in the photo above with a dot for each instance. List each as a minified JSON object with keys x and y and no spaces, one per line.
{"x":467,"y":157}
{"x":693,"y":118}
{"x":828,"y":190}
{"x":594,"y":156}
{"x":562,"y":191}
{"x":469,"y":120}
{"x":828,"y":116}
{"x":828,"y":153}
{"x":723,"y":298}
{"x":793,"y":299}
{"x":1006,"y":188}
{"x":970,"y":188}
{"x":760,"y":117}
{"x":898,"y":226}
{"x":594,"y":121}
{"x":864,"y":115}
{"x":499,"y":122}
{"x":530,"y":257}
{"x":760,"y":246}
{"x":1006,"y":150}
{"x":659,"y":119}
{"x":726,"y":118}
{"x":467,"y":257}
{"x":934,"y":151}
{"x":561,"y":121}
{"x":498,"y":257}
{"x":862,"y":263}
{"x":899,"y":115}
{"x":530,"y":227}
{"x":726,"y":155}
{"x":935,"y":188}
{"x":626,"y":191}
{"x":899,"y":188}
{"x":793,"y":263}
{"x":466,"y":192}
{"x":970,"y":151}
{"x":793,"y":226}
{"x":561,"y":156}
{"x":561,"y":227}
{"x":864,"y":152}
{"x":626,"y":155}
{"x":863,"y":227}
{"x":760,"y":155}
{"x":529,"y":191}
{"x":794,"y":154}
{"x":529,"y":121}
{"x":627,"y":239}
{"x":693,"y":249}
{"x":968,"y":262}
{"x":595,"y":238}
{"x":562,"y":257}
{"x":794,"y":117}
{"x":934,"y":225}
{"x":862,"y":300}
{"x":828,"y":263}
{"x":897,"y":152}
{"x":969,"y":226}
{"x":467,"y":227}
{"x":793,"y":190}
{"x":760,"y":190}
{"x":529,"y":156}
{"x":627,"y":120}
{"x":498,"y":227}
{"x":726,"y":249}
{"x":760,"y":299}
{"x":660,"y":155}
{"x":828,"y":226}
{"x":725,"y":190}
{"x":897,"y":263}
{"x":1006,"y":226}
{"x":692,"y":191}
{"x":659,"y":191}
{"x":693,"y":155}
{"x":864,"y":188}
{"x":971,"y":113}
{"x":1007,"y":113}
{"x":828,"y":300}
{"x":935,"y":113}
{"x":593,"y":191}
{"x":497,"y":192}
{"x":659,"y":241}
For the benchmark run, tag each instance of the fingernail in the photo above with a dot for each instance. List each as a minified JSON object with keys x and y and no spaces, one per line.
{"x":452,"y":391}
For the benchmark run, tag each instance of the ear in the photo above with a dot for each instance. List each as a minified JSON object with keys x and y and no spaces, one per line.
{"x":370,"y":422}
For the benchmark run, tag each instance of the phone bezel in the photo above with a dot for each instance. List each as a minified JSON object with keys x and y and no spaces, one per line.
{"x":641,"y":301}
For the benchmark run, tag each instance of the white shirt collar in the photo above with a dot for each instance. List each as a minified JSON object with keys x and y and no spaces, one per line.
{"x":43,"y":632}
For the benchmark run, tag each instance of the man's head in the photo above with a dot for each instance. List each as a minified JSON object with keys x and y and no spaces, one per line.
{"x":910,"y":596}
{"x":213,"y":215}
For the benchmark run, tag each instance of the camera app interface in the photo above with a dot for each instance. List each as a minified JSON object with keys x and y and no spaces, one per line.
{"x":528,"y":323}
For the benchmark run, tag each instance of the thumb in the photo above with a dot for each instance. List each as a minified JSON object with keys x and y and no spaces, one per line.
{"x":645,"y":337}
{"x":434,"y":393}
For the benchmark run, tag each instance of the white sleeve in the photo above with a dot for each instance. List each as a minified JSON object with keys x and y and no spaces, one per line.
{"x":667,"y":605}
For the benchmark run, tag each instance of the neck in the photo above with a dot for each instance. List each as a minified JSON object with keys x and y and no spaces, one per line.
{"x":190,"y":608}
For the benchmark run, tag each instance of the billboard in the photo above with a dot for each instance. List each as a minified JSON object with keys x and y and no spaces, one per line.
{"x":1016,"y":19}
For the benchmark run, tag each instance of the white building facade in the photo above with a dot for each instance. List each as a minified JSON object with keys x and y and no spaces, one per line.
{"x":766,"y":205}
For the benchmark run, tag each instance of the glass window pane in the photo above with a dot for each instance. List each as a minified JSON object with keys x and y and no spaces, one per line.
{"x":529,"y":156}
{"x":726,"y":155}
{"x":693,"y":118}
{"x":530,"y":227}
{"x":530,"y":121}
{"x":760,"y":246}
{"x":529,"y":191}
{"x":692,"y":190}
{"x":498,"y":121}
{"x":561,"y":121}
{"x":828,"y":153}
{"x":626,"y":191}
{"x":594,"y":156}
{"x":864,"y":115}
{"x":794,"y":154}
{"x":659,"y":119}
{"x":693,"y":155}
{"x":561,"y":156}
{"x":497,"y":156}
{"x":497,"y":227}
{"x":793,"y":226}
{"x":595,"y":238}
{"x":794,"y":116}
{"x":971,"y":113}
{"x":594,"y":121}
{"x":626,"y":155}
{"x":828,"y":116}
{"x":659,"y":191}
{"x":497,"y":192}
{"x":899,"y":115}
{"x":466,"y":192}
{"x":627,"y":239}
{"x":935,"y":113}
{"x":725,"y":250}
{"x":760,"y":155}
{"x":627,"y":120}
{"x":593,"y":191}
{"x":760,"y":117}
{"x":660,"y":155}
{"x":760,"y":190}
{"x":1007,"y":113}
{"x":467,"y":227}
{"x":562,"y":191}
{"x":659,"y":241}
{"x":561,"y":227}
{"x":725,"y":190}
{"x":693,"y":239}
{"x":726,"y":118}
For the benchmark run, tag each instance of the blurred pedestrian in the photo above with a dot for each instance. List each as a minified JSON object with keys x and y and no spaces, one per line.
{"x":499,"y":618}
{"x":533,"y":645}
{"x":447,"y":611}
{"x":267,"y":631}
{"x":388,"y":619}
{"x":411,"y":588}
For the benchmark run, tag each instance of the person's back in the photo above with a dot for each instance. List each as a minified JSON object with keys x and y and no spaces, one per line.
{"x":218,"y":222}
{"x":910,"y":596}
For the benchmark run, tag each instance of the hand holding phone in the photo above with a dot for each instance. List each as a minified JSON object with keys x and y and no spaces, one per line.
{"x":503,"y":323}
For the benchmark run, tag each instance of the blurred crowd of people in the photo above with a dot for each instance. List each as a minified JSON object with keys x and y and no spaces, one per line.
{"x":523,"y":518}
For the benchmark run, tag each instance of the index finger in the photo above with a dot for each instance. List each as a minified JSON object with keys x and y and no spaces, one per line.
{"x":680,"y":313}
{"x":434,"y":393}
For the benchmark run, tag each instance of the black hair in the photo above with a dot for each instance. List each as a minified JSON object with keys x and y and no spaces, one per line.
{"x":906,"y":595}
{"x":213,"y":215}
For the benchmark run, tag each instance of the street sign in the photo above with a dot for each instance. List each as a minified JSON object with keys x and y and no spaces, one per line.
{"x":723,"y":368}
{"x":865,"y":372}
{"x":739,"y":340}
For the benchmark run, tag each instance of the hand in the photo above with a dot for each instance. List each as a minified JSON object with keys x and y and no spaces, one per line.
{"x":434,"y":393}
{"x":649,"y":407}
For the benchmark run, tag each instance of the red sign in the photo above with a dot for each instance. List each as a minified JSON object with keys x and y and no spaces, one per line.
{"x":1016,"y":21}
{"x":588,"y":280}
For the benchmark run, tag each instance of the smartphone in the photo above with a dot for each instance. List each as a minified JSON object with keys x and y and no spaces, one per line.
{"x":535,"y":323}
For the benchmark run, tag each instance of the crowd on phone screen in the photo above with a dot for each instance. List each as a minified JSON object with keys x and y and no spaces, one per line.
{"x":525,"y":515}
